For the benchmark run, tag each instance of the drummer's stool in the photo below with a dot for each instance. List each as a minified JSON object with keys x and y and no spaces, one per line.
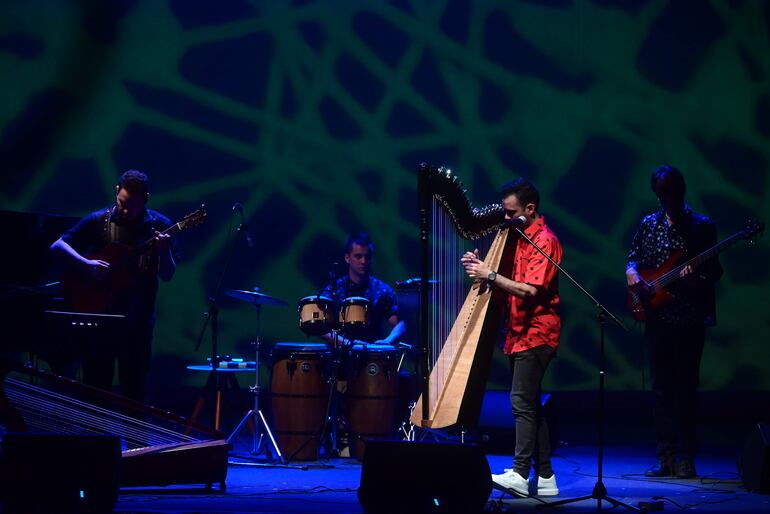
{"x":220,"y":384}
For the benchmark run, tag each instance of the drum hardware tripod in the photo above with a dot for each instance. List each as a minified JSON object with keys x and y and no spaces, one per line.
{"x":407,"y":428}
{"x":261,"y":431}
{"x":255,"y":414}
{"x":331,"y":417}
{"x":409,"y":433}
{"x":260,"y":427}
{"x":262,"y":435}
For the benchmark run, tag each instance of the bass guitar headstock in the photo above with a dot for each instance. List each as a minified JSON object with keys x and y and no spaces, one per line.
{"x":753,"y":228}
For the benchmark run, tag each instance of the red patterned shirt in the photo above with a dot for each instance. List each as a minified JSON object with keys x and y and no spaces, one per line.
{"x":535,"y":321}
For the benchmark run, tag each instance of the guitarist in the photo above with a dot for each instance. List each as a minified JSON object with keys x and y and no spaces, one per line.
{"x":675,"y":330}
{"x":128,"y":222}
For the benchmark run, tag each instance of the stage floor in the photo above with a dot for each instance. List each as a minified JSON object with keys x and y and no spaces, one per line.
{"x":332,"y":486}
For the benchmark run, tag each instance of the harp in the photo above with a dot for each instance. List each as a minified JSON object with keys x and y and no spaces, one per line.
{"x":158,"y":448}
{"x":457,"y":337}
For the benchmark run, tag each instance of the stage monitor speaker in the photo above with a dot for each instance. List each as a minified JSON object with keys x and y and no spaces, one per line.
{"x":405,"y":476}
{"x":755,"y":460}
{"x":59,"y":473}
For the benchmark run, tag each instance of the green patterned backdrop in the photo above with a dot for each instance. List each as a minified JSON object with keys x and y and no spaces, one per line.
{"x":314,"y":115}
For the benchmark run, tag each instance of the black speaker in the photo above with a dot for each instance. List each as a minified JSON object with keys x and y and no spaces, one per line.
{"x":755,"y":460}
{"x":59,"y":473}
{"x":405,"y":476}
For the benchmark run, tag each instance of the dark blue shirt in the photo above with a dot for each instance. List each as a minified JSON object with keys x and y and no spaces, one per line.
{"x":96,"y":230}
{"x":381,"y":296}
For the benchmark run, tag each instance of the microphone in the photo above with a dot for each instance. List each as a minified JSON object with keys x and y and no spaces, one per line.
{"x":244,"y":226}
{"x":515,"y":222}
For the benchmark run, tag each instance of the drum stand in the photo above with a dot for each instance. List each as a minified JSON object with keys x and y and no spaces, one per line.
{"x":332,"y":406}
{"x":331,"y":417}
{"x":262,"y":435}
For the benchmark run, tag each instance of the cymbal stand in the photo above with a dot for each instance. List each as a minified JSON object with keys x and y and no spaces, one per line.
{"x":262,"y":435}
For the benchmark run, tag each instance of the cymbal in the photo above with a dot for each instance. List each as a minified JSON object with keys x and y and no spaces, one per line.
{"x":255,"y":297}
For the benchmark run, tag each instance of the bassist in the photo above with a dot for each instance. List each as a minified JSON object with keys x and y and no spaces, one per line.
{"x":126,"y":224}
{"x":675,"y":328}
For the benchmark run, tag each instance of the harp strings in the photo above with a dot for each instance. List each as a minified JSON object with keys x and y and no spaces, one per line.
{"x":446,"y":293}
{"x":45,"y":410}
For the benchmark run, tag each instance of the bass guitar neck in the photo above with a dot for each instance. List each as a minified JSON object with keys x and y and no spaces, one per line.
{"x":645,"y":297}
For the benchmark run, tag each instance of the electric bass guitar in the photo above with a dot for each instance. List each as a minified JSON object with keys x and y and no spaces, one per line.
{"x":644,"y":297}
{"x":84,"y":293}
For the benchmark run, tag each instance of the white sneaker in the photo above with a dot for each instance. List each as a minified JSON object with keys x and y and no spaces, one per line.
{"x":547,"y":486}
{"x":511,"y":481}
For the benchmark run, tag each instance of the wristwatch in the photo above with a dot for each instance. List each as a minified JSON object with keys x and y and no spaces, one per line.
{"x":492,"y":276}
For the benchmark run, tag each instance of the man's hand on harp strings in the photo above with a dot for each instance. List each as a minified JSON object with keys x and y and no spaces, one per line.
{"x":474,"y":266}
{"x":478,"y":270}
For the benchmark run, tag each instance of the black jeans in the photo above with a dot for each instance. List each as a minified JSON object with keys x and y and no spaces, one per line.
{"x":132,"y":348}
{"x":532,"y":439}
{"x":675,"y":354}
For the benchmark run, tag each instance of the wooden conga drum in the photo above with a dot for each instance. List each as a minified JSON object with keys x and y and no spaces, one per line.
{"x":299,"y":394}
{"x":372,"y":394}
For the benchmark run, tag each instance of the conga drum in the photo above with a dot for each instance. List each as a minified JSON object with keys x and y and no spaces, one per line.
{"x":372,"y":394}
{"x":316,"y":315}
{"x":299,"y":394}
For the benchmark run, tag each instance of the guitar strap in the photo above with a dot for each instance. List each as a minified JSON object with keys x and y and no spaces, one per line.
{"x":112,"y":234}
{"x":687,"y":234}
{"x":693,"y":234}
{"x":145,"y":260}
{"x":108,"y":233}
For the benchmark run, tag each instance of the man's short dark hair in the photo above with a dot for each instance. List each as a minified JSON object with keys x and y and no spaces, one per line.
{"x":525,"y":192}
{"x":358,"y":238}
{"x":135,"y":182}
{"x":668,"y":181}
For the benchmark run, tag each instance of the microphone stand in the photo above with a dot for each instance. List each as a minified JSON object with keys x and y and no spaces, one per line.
{"x":599,"y":492}
{"x":212,"y":314}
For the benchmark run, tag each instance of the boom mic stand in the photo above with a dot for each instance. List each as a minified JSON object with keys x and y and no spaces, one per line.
{"x":214,"y":381}
{"x":599,"y":492}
